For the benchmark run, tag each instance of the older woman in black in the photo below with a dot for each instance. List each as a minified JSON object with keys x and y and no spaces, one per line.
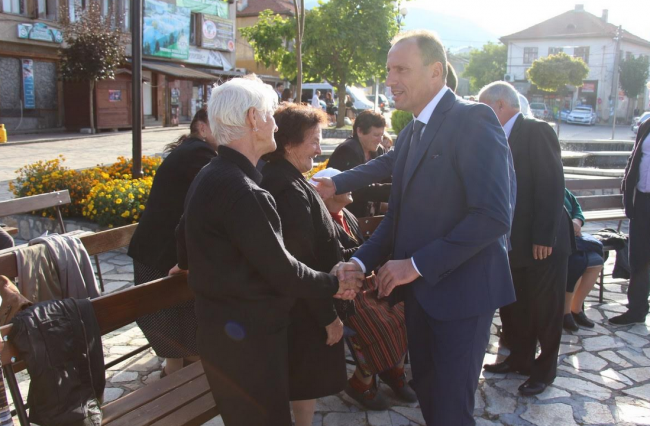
{"x":171,"y":332}
{"x":244,"y":280}
{"x":316,"y":352}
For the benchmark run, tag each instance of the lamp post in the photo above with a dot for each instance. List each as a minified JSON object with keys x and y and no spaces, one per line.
{"x":401,"y":11}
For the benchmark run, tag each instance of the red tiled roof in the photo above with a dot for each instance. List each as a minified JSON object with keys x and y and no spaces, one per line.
{"x":573,"y":24}
{"x":281,"y":7}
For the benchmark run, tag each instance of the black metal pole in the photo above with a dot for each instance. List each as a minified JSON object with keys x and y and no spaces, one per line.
{"x":136,"y":85}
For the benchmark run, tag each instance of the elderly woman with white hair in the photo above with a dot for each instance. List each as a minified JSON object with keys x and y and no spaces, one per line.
{"x":244,"y":280}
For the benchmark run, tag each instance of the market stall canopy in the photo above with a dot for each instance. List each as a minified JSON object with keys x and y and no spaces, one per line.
{"x":176,"y":71}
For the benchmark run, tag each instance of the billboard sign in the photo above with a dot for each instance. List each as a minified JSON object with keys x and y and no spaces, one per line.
{"x":218,"y":33}
{"x":211,"y":7}
{"x":29,"y":97}
{"x":166,"y":30}
{"x":41,"y":32}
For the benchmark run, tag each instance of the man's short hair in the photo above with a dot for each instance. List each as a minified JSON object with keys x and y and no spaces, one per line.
{"x":365,"y":121}
{"x":499,"y":91}
{"x":430,"y":46}
{"x":280,"y":84}
{"x":452,"y":78}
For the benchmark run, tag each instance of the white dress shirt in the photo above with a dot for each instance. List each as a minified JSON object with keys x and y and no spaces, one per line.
{"x":644,"y":168}
{"x":424,"y":117}
{"x":315,"y":102}
{"x":510,"y":124}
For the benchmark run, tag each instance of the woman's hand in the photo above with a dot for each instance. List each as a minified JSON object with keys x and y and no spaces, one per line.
{"x":177,"y":271}
{"x":334,"y":332}
{"x":577,"y":227}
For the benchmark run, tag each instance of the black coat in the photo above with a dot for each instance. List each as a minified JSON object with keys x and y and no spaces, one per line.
{"x":540,"y":217}
{"x":631,"y":177}
{"x":348,"y":155}
{"x":154,"y":243}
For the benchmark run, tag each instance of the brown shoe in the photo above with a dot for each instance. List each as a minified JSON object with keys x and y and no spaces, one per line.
{"x":371,"y":399}
{"x":400,"y":386}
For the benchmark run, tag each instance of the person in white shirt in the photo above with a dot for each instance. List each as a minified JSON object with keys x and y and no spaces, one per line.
{"x":315,"y":101}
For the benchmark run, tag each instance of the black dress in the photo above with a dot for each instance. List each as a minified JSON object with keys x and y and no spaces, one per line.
{"x":171,"y":332}
{"x":348,"y":155}
{"x":315,"y":369}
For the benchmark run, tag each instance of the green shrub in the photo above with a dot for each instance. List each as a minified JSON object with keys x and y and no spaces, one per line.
{"x":400,"y":119}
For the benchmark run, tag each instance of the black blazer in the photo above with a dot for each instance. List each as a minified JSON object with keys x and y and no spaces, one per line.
{"x":631,"y":177}
{"x":307,"y":230}
{"x":540,"y":217}
{"x":154,"y":243}
{"x":348,"y":155}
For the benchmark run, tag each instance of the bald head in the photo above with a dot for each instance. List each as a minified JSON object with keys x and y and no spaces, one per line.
{"x":502,"y":98}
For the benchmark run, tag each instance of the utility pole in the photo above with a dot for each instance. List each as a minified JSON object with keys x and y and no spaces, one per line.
{"x":617,"y":59}
{"x":136,"y":86}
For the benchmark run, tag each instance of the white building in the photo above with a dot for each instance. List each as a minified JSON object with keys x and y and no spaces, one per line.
{"x":580,"y":34}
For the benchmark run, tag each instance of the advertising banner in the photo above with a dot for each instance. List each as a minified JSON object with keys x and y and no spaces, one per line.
{"x":29,"y":97}
{"x":40,"y":32}
{"x":211,"y":7}
{"x":166,"y":30}
{"x":218,"y":33}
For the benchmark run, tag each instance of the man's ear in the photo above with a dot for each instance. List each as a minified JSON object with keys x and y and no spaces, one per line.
{"x":436,"y":70}
{"x":251,"y":118}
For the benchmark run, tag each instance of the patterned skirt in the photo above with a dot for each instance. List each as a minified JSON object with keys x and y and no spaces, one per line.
{"x":380,"y":341}
{"x":171,"y":331}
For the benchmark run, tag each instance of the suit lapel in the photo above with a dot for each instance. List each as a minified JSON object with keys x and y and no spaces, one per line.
{"x":430,"y":131}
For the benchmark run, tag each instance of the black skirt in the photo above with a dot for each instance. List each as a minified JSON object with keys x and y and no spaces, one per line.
{"x":171,"y":331}
{"x":315,"y":369}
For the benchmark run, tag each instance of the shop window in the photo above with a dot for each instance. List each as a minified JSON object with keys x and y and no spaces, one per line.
{"x":48,"y":9}
{"x":18,"y":7}
{"x":582,"y":52}
{"x":555,"y":50}
{"x":530,"y":55}
{"x":195,"y":29}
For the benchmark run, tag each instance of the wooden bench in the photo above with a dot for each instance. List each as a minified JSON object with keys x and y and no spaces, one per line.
{"x":367,"y":225}
{"x":37,"y":202}
{"x":181,"y":398}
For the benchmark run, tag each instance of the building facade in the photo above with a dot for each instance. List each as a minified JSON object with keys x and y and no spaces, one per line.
{"x":577,"y":33}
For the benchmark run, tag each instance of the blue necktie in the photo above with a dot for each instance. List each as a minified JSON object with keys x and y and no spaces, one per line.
{"x":415,"y":140}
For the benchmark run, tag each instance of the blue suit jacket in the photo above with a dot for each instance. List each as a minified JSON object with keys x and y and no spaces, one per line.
{"x":450,"y":209}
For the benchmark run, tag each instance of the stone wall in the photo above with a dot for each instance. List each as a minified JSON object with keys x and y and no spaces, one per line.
{"x":33,"y":226}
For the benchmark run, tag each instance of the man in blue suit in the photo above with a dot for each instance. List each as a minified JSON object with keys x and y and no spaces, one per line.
{"x":445,"y":229}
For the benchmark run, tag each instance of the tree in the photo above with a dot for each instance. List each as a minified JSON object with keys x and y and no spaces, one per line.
{"x":554,"y":72}
{"x":486,"y":65}
{"x":347,"y":42}
{"x":633,"y":77}
{"x":94,"y":46}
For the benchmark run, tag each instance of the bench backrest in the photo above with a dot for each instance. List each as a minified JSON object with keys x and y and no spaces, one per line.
{"x":121,"y":308}
{"x":601,"y":202}
{"x":95,"y":243}
{"x":367,"y":225}
{"x":587,"y":184}
{"x":34,"y":202}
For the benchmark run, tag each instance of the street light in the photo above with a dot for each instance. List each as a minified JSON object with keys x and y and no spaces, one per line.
{"x":401,"y":11}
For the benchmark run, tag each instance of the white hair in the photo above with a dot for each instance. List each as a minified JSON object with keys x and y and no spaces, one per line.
{"x":230,"y":102}
{"x":499,"y":91}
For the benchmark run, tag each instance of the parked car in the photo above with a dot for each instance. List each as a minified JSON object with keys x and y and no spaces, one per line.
{"x":563,"y":115}
{"x":382,"y":103}
{"x":582,"y":115}
{"x":539,"y":110}
{"x":361,"y":102}
{"x":642,"y":119}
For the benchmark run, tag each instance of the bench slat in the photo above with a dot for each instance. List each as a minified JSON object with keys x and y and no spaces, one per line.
{"x":115,"y":409}
{"x":166,"y":404}
{"x":195,"y":413}
{"x":34,"y":202}
{"x":586,"y":184}
{"x":603,"y":215}
{"x":601,"y":202}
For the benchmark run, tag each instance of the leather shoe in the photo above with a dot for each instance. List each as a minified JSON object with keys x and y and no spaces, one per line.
{"x":581,"y":319}
{"x":502,"y":368}
{"x":530,"y":388}
{"x":569,"y":323}
{"x":627,"y":319}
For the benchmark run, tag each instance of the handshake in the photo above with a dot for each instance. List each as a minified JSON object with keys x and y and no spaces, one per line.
{"x":350,"y":278}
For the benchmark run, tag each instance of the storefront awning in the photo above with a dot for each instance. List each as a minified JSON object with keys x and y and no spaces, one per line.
{"x":176,"y":71}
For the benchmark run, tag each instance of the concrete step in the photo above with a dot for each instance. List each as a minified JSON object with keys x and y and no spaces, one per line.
{"x":597,"y":145}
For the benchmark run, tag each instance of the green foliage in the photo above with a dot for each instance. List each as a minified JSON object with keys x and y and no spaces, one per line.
{"x":486,"y":65}
{"x":554,"y":72}
{"x":634,"y":74}
{"x":269,"y":38}
{"x":94,"y":44}
{"x":400,"y":119}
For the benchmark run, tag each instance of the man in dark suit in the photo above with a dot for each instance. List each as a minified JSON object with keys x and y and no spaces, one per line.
{"x":636,"y":198}
{"x":445,"y":229}
{"x":541,"y":243}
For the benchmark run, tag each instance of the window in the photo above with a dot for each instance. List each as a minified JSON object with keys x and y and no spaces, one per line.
{"x":555,"y":50}
{"x":194,"y":28}
{"x":628,"y":56}
{"x":582,"y":52}
{"x":47,"y":9}
{"x":530,"y":54}
{"x":18,"y":7}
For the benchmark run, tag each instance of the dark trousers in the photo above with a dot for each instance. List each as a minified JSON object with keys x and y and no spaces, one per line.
{"x":537,"y":316}
{"x":248,"y":377}
{"x":637,"y":292}
{"x":446,"y":359}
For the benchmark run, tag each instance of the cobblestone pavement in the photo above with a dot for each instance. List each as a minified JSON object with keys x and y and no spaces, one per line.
{"x":603,"y":375}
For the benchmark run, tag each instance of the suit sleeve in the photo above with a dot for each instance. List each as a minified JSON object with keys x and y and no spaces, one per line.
{"x":366,"y":174}
{"x":300,"y":239}
{"x":263,"y":247}
{"x":481,"y":157}
{"x":548,"y":183}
